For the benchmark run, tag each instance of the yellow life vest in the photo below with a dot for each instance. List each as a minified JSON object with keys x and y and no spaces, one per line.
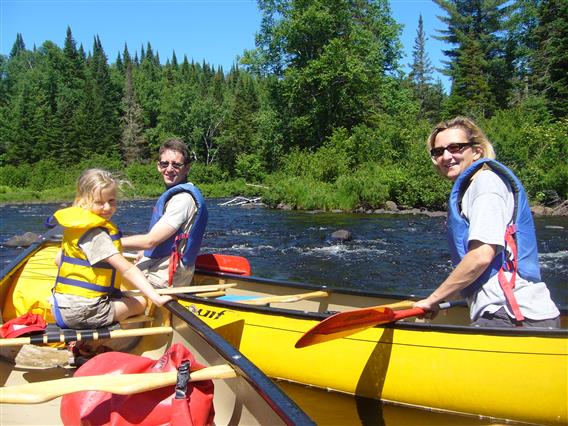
{"x":76,"y":275}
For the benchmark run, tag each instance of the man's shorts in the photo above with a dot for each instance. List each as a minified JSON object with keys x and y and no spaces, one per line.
{"x":157,"y":272}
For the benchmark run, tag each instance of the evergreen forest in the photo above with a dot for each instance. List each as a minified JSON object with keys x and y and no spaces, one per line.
{"x":319,"y":115}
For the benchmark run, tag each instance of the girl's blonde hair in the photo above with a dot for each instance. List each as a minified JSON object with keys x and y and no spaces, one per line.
{"x":92,"y":182}
{"x":473,"y":132}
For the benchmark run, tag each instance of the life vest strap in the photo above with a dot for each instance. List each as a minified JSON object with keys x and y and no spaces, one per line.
{"x":510,"y":265}
{"x":85,"y":285}
{"x":175,"y":257}
{"x":84,"y":262}
{"x":57,"y":314}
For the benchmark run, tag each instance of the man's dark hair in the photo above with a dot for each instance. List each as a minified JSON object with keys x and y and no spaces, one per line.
{"x":178,"y":145}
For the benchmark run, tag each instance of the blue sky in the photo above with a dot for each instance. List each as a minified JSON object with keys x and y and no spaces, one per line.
{"x":212,"y":30}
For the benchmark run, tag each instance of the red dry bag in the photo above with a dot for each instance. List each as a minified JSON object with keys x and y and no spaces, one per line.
{"x":152,"y":408}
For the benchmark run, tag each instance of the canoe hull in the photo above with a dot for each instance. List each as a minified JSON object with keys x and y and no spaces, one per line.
{"x":450,"y":368}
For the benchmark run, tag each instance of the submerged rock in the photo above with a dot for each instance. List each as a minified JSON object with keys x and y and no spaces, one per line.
{"x":23,"y":240}
{"x":342,"y":235}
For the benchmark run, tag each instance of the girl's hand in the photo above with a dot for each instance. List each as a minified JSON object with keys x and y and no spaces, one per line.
{"x":57,"y":259}
{"x":162,"y":299}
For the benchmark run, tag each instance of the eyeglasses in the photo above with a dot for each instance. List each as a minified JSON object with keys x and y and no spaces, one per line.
{"x":166,"y":164}
{"x":452,"y":148}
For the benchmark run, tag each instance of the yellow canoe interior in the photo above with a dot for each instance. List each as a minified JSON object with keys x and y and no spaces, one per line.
{"x":236,"y":400}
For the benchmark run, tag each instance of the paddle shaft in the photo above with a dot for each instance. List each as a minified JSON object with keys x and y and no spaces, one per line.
{"x":78,"y":335}
{"x":182,"y":290}
{"x":121,"y":384}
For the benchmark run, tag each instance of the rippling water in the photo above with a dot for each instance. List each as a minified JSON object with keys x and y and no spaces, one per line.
{"x":401,"y":254}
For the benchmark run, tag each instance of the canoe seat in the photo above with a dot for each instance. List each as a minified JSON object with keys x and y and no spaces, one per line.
{"x":137,"y":319}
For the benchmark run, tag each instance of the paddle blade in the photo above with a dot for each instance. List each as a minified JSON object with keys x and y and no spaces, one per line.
{"x":223,"y":263}
{"x":346,"y":323}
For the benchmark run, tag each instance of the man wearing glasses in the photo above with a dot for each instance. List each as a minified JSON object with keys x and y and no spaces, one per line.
{"x":177,"y":225}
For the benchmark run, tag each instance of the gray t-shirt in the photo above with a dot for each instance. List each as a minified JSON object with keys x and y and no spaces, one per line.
{"x":96,"y":245}
{"x":488,"y":205}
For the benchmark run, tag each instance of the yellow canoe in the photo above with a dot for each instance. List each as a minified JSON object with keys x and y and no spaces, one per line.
{"x":445,"y":364}
{"x":34,"y":369}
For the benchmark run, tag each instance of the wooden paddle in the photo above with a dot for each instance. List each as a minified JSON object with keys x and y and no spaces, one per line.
{"x":121,"y":384}
{"x":182,"y":290}
{"x":349,"y":322}
{"x":285,"y":298}
{"x":79,"y":335}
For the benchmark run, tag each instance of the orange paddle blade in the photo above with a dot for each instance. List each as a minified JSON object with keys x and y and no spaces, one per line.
{"x":346,"y":323}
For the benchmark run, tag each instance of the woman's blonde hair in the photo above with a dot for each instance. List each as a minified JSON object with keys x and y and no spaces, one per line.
{"x":92,"y":182}
{"x":473,"y":132}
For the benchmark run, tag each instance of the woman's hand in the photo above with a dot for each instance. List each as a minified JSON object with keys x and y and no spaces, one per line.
{"x":430,"y":308}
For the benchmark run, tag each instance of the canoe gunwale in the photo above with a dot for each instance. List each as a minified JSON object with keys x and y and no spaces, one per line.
{"x":284,"y":406}
{"x":403,"y":325}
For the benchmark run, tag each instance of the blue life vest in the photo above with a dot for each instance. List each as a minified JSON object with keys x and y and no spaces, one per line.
{"x":522,"y":220}
{"x":195,"y":236}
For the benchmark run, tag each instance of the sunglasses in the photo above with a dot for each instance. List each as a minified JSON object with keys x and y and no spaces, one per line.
{"x":166,"y":164}
{"x":452,"y":148}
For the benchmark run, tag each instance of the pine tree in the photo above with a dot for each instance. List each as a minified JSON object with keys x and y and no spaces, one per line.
{"x":551,"y":57}
{"x":102,"y":106}
{"x":476,"y":27}
{"x":238,"y":138}
{"x":18,"y":46}
{"x":127,"y":60}
{"x":521,"y":46}
{"x":134,"y":146}
{"x":421,"y":69}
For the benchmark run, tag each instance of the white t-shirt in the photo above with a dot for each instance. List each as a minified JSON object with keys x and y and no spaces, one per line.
{"x":180,"y":213}
{"x":488,"y":205}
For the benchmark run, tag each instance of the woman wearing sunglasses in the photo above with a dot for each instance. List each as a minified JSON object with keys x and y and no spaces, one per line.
{"x":490,"y":232}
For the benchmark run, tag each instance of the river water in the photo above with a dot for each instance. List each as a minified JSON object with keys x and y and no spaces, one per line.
{"x":402,"y":254}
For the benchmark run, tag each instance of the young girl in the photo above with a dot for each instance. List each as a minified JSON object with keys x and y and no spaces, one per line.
{"x":86,"y":293}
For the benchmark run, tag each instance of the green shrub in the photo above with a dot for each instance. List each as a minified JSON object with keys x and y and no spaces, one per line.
{"x":201,"y":173}
{"x":15,"y":176}
{"x":143,"y":175}
{"x":250,"y":168}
